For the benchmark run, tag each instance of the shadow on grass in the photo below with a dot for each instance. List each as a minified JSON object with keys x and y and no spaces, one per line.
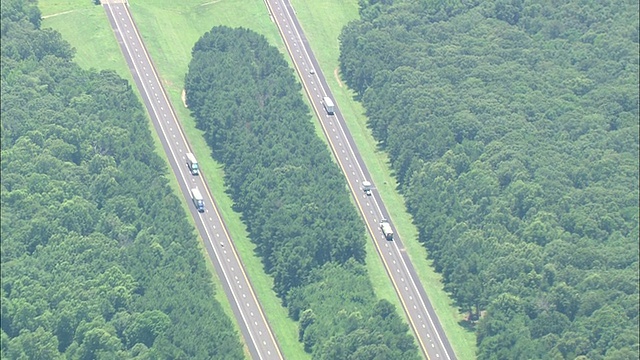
{"x":468,"y":325}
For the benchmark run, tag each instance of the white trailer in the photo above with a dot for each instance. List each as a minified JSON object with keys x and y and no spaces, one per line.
{"x":328,"y":105}
{"x":386,"y":229}
{"x":192,"y":163}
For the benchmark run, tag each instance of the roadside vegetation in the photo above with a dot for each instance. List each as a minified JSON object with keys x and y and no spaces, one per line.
{"x":292,"y":197}
{"x":512,"y":130}
{"x":98,"y":259}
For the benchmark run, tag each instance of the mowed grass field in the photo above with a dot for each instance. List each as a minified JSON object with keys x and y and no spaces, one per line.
{"x":170,"y":28}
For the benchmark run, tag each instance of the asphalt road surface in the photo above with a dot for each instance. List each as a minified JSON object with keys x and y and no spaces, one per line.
{"x":423,"y":320}
{"x":253,"y":324}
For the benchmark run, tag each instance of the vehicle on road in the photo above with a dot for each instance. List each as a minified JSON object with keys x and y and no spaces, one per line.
{"x":366,"y":187}
{"x":386,"y":229}
{"x":198,"y":200}
{"x":192,"y":163}
{"x":312,"y":71}
{"x":328,"y":105}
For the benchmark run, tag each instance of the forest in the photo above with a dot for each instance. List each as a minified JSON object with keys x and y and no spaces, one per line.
{"x":98,"y":258}
{"x":512,"y":129}
{"x":292,"y":197}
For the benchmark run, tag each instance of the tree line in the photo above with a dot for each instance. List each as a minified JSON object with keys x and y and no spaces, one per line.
{"x":512,"y":128}
{"x":292,"y":197}
{"x":98,"y":258}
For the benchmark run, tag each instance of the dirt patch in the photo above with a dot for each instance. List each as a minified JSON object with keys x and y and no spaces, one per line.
{"x":335,"y":73}
{"x":183,"y":96}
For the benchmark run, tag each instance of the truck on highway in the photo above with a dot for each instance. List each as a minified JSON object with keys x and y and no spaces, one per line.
{"x":386,"y":229}
{"x":197,"y":198}
{"x":366,"y":187}
{"x":192,"y":163}
{"x":328,"y":105}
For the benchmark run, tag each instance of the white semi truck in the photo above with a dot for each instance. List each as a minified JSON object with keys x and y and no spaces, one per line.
{"x":386,"y":229}
{"x":197,"y":199}
{"x":366,"y":187}
{"x":328,"y":105}
{"x":192,"y":163}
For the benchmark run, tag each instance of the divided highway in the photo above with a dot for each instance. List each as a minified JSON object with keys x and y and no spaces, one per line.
{"x":423,"y":320}
{"x":247,"y":310}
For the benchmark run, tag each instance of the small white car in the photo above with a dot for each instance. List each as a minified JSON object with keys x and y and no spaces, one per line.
{"x":312,"y":71}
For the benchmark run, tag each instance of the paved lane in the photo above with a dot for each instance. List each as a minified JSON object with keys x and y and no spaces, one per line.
{"x":423,"y":320}
{"x":247,"y":310}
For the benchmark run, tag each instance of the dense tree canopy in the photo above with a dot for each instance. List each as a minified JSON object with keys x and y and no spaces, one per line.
{"x":98,"y":259}
{"x":512,"y":127}
{"x":292,"y":197}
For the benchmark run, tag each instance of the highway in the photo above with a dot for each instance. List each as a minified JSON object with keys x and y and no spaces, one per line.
{"x":247,"y":310}
{"x":423,"y":320}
